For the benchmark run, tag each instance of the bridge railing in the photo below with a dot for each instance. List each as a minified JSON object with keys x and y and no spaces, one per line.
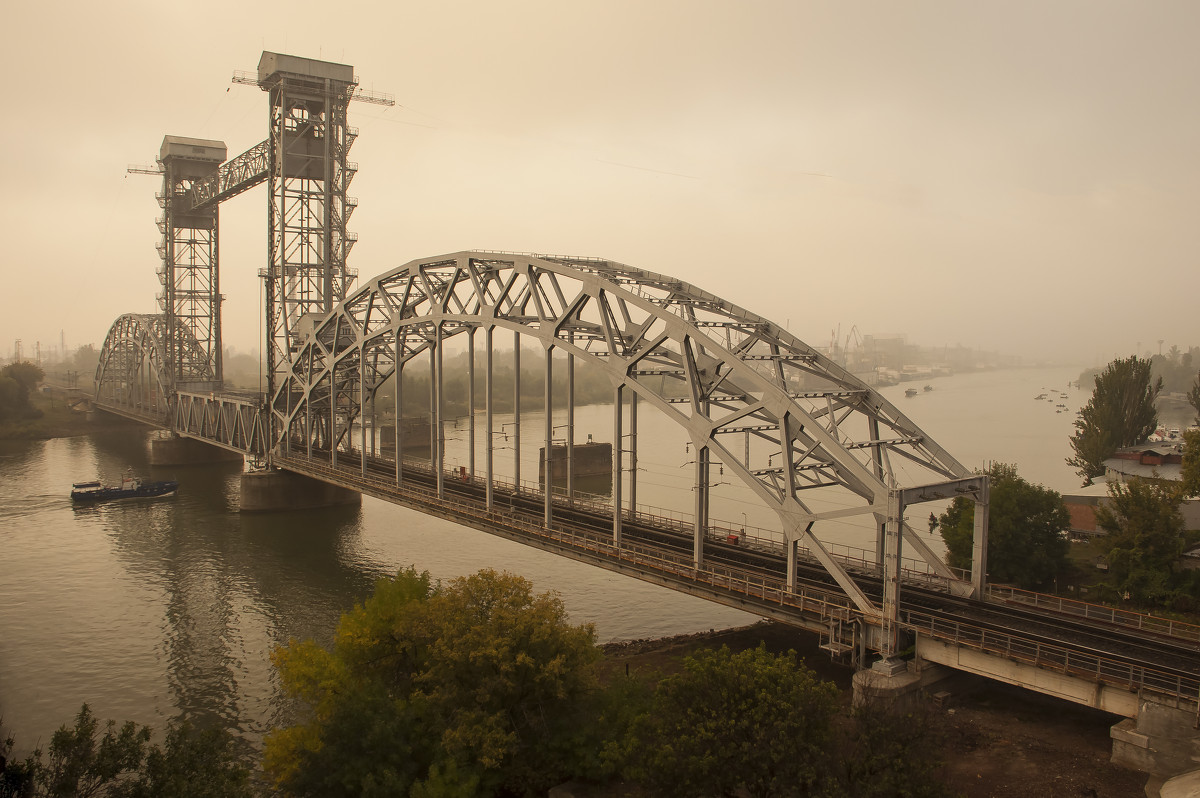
{"x":854,"y":559}
{"x":824,"y":605}
{"x":1082,"y":664}
{"x":1149,"y":624}
{"x":809,"y":601}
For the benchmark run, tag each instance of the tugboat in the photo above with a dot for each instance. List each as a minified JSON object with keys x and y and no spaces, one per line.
{"x":130,"y":488}
{"x":910,"y":391}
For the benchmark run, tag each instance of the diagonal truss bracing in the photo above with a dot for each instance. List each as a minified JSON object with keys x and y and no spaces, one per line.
{"x":235,"y":176}
{"x":133,"y":374}
{"x":812,"y":441}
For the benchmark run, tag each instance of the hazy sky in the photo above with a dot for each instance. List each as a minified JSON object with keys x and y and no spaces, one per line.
{"x":1008,"y":175}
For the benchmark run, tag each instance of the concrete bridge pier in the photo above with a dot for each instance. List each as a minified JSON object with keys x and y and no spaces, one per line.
{"x":1163,"y":741}
{"x":272,"y":490}
{"x":173,"y":450}
{"x":895,"y":682}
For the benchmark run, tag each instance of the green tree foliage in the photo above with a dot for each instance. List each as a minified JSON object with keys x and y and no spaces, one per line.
{"x":1193,"y":397}
{"x":1025,"y":529}
{"x":1145,"y":537}
{"x":12,"y":400}
{"x":192,"y":763}
{"x":752,"y":723}
{"x":17,"y":381}
{"x":893,"y":751}
{"x":1191,"y":463}
{"x":1120,"y":413}
{"x":84,"y":360}
{"x":25,"y":373}
{"x":472,"y":688}
{"x":122,"y":763}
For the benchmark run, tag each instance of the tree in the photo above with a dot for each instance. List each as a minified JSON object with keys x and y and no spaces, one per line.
{"x":1120,"y":413}
{"x":12,"y":400}
{"x":1025,"y":529}
{"x":17,"y":380}
{"x":1190,"y":475}
{"x":194,"y":763}
{"x":25,"y":373}
{"x":1193,"y":396}
{"x":472,"y":688}
{"x":1145,"y":537}
{"x":893,"y":750}
{"x":753,"y":722}
{"x":81,"y":765}
{"x":123,"y":764}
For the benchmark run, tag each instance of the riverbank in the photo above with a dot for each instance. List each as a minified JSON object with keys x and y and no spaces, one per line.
{"x":58,"y":419}
{"x":1001,"y":741}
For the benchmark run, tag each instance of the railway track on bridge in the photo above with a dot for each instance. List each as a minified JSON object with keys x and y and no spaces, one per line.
{"x":1086,"y":648}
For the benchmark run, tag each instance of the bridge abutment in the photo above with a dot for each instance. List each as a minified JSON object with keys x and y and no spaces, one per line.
{"x":266,"y":491}
{"x":1162,"y":741}
{"x":175,"y":450}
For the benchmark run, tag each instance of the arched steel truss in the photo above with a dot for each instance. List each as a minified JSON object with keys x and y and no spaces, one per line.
{"x":133,"y":374}
{"x":812,"y":441}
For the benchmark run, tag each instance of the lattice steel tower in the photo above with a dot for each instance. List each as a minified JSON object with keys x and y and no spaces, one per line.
{"x":190,"y":298}
{"x":308,"y":174}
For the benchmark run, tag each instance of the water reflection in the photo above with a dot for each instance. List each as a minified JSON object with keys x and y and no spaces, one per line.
{"x":234,"y":587}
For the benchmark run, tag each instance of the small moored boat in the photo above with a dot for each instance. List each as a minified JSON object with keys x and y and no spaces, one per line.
{"x":130,"y":488}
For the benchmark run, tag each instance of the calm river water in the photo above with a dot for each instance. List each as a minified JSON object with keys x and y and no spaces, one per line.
{"x":167,"y":609}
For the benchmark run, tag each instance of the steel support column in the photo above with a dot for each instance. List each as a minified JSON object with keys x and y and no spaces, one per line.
{"x":570,"y":421}
{"x":490,"y":437}
{"x":439,"y":450}
{"x":892,"y":546}
{"x":362,"y":392}
{"x":471,"y":402}
{"x":618,"y":440}
{"x":980,"y":541}
{"x":399,"y":431}
{"x":516,"y":412}
{"x":633,"y":454}
{"x":548,"y":460}
{"x":701,"y":507}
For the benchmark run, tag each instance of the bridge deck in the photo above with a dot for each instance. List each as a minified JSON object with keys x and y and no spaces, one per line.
{"x":1115,"y":649}
{"x":728,"y":578}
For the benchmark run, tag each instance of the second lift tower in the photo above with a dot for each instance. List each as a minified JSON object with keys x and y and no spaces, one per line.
{"x":308,"y":174}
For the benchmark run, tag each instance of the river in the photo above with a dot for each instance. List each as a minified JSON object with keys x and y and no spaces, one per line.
{"x":165,"y":609}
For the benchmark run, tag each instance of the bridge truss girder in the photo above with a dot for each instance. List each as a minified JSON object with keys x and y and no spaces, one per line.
{"x":813,"y":442}
{"x":233,"y":422}
{"x":132,"y":373}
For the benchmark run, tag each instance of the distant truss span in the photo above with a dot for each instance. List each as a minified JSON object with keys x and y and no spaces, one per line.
{"x":133,"y":371}
{"x":810,"y":439}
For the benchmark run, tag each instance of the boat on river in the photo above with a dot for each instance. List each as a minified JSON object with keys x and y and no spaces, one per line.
{"x":131,"y":487}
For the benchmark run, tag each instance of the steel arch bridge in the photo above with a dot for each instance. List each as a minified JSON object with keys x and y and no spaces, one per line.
{"x":134,"y":373}
{"x":811,"y":441}
{"x":814,"y":444}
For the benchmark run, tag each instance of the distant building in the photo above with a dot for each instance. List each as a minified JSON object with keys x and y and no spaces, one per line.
{"x":1082,"y":506}
{"x":1161,"y":461}
{"x":1151,"y":461}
